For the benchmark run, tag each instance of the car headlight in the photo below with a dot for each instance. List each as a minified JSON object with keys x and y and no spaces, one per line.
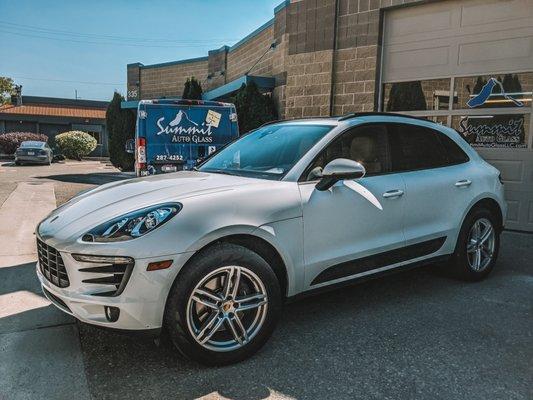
{"x":133,"y":225}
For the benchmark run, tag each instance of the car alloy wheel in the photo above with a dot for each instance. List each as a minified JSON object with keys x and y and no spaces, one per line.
{"x":480,"y":244}
{"x":227,"y":308}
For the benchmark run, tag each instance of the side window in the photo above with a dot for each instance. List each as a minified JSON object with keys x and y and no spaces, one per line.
{"x":415,"y":147}
{"x":366,"y":144}
{"x":456,"y":155}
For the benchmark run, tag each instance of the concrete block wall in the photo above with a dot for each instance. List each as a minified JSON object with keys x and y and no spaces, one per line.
{"x":324,"y":61}
{"x":168,"y":81}
{"x":308,"y":88}
{"x":357,"y":54}
{"x":244,"y":56}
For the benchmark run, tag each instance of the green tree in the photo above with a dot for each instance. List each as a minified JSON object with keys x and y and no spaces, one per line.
{"x":406,"y":96}
{"x":120,"y":125}
{"x":6,"y":89}
{"x":192,"y":89}
{"x":253,"y":108}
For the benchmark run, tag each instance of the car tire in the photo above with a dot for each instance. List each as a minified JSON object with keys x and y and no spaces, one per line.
{"x":200,"y":301}
{"x":477,"y":246}
{"x":18,"y":163}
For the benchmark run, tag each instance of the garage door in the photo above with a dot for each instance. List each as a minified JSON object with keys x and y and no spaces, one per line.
{"x":469,"y":64}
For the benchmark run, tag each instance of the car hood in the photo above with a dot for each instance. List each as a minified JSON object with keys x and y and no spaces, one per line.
{"x":111,"y":200}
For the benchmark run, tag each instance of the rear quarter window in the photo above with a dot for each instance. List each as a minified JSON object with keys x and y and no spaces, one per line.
{"x":416,"y":147}
{"x":456,"y":155}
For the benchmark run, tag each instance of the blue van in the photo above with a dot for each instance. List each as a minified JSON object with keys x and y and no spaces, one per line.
{"x":174,"y":135}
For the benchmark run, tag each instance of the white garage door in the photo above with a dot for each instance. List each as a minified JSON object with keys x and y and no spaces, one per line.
{"x":469,"y":64}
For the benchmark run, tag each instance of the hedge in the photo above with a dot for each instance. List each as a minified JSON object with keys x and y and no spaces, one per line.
{"x":9,"y":142}
{"x":75,"y":144}
{"x":120,"y":127}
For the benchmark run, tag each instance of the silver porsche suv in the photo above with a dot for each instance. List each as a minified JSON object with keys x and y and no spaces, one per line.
{"x":209,"y":256}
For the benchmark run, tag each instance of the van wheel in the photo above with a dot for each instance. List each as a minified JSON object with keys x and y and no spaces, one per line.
{"x":477,"y":246}
{"x":224,"y":306}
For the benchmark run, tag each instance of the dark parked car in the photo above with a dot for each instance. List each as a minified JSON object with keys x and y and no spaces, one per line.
{"x":34,"y":152}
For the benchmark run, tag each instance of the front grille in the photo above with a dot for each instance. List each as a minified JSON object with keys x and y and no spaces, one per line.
{"x":51,"y":264}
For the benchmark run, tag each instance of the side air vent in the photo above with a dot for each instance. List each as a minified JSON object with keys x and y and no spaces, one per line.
{"x":113,"y":272}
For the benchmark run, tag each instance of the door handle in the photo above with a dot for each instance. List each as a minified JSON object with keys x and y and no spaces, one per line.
{"x":393,"y":193}
{"x":463,"y":183}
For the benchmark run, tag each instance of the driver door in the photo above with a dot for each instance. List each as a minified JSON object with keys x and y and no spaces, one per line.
{"x":350,"y":228}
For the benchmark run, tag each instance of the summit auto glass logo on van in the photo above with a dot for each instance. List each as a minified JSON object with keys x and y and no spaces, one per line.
{"x":184,"y":130}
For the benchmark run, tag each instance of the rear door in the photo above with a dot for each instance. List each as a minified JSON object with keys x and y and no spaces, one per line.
{"x":438,"y":184}
{"x":180,"y":135}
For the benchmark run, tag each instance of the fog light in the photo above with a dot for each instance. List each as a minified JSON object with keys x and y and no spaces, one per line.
{"x":112,"y":313}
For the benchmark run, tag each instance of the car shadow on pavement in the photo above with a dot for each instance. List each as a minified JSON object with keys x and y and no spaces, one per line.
{"x":95,"y":178}
{"x":22,"y":303}
{"x":416,"y":334}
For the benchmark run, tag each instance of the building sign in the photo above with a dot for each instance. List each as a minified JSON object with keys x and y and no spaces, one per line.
{"x":132,"y":94}
{"x":487,"y":91}
{"x":494,"y":130}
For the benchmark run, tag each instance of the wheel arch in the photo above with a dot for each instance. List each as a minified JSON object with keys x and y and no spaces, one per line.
{"x":493,"y":206}
{"x":254,"y":243}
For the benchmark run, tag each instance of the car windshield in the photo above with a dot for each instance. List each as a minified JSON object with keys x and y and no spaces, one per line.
{"x":268,"y":152}
{"x":32,"y":144}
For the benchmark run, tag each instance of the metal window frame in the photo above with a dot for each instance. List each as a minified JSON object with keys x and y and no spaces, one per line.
{"x":450,"y":112}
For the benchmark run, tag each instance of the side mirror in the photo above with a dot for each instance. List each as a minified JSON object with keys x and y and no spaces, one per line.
{"x":129,"y":147}
{"x":338,"y":170}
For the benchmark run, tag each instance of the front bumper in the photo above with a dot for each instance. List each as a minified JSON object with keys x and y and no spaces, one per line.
{"x":141,"y":303}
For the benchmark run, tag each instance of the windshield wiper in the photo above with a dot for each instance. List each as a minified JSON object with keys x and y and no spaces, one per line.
{"x":221,"y":171}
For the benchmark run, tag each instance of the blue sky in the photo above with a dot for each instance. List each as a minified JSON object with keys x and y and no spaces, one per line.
{"x":85,"y":45}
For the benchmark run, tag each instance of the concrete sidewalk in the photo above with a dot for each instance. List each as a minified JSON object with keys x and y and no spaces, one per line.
{"x":28,"y":204}
{"x":40,"y":355}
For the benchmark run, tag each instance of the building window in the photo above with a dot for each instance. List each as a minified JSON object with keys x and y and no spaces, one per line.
{"x":96,"y":135}
{"x":425,"y":95}
{"x":494,"y":91}
{"x":494,"y":130}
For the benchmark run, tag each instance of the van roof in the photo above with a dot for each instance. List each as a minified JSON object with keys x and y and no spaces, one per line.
{"x":184,"y":102}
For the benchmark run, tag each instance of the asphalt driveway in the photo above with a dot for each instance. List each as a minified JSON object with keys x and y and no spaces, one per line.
{"x":414,"y":335}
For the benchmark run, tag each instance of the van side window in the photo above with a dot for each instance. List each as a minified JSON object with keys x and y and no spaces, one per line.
{"x":367,"y":144}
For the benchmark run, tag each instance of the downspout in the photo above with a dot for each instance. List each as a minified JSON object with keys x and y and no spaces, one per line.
{"x":333,"y":57}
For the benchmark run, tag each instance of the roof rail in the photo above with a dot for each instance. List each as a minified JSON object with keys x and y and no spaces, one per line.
{"x":370,"y":113}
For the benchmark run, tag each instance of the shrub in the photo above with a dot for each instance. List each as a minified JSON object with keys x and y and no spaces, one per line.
{"x":9,"y":142}
{"x":75,"y":144}
{"x":192,"y":89}
{"x":253,"y":108}
{"x":406,"y":96}
{"x":120,"y":125}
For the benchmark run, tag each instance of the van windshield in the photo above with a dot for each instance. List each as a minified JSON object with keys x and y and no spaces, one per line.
{"x":268,"y":152}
